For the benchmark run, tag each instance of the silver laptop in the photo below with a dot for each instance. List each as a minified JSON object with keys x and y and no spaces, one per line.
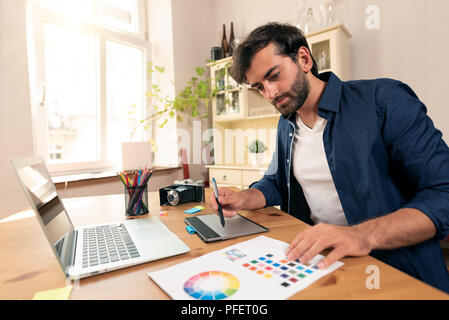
{"x":89,"y":250}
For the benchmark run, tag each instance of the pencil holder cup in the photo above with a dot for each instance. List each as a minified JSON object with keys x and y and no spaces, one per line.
{"x":136,"y":200}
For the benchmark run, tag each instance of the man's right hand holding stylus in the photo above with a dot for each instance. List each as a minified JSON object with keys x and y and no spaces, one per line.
{"x":232,"y":201}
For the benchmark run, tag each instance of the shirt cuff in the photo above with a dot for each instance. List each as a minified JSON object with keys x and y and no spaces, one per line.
{"x":272,"y":196}
{"x":437,"y":215}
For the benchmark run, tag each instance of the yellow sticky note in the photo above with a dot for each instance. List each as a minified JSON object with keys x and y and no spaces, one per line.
{"x":199,"y":207}
{"x":54,"y":294}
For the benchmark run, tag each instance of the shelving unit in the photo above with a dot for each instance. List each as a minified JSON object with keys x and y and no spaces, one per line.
{"x":331,"y":50}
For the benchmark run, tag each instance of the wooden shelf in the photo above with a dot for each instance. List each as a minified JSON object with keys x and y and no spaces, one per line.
{"x":330,"y":28}
{"x":268,"y":116}
{"x":232,"y":167}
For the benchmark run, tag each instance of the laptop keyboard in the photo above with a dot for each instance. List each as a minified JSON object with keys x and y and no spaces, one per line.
{"x":108,"y":243}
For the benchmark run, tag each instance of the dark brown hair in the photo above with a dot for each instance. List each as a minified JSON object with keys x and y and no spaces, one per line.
{"x":287,"y":38}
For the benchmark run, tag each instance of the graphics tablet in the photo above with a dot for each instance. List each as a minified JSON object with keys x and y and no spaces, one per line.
{"x":209,"y":229}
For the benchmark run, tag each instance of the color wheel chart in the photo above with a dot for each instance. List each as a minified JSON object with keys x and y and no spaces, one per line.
{"x":211,"y":285}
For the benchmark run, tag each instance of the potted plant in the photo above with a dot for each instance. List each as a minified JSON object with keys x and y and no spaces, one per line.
{"x":256,"y":152}
{"x":194,"y":100}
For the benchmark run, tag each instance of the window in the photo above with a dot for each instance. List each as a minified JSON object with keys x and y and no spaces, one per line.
{"x":71,"y":95}
{"x":89,"y":80}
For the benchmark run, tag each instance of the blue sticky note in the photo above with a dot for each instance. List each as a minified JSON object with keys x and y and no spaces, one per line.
{"x":190,"y":229}
{"x":193,"y":210}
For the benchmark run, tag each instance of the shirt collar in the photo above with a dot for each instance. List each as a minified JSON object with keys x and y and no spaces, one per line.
{"x":330,"y":100}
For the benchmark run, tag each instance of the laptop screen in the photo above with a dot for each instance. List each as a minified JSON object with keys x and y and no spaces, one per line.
{"x":41,"y":194}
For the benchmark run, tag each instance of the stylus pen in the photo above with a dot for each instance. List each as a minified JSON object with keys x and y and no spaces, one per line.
{"x":220,"y":210}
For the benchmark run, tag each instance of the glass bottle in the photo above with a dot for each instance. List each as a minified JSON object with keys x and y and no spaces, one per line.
{"x":323,"y":14}
{"x":330,"y":5}
{"x":327,"y":13}
{"x":311,"y":23}
{"x":224,"y":43}
{"x":301,"y":6}
{"x":231,"y":40}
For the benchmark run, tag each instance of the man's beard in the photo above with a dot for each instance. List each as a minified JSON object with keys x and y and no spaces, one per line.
{"x":299,"y":92}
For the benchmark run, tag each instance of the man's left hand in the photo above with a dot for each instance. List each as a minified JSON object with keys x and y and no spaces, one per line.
{"x":344,"y":241}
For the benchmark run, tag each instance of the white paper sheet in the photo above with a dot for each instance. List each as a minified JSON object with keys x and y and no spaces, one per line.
{"x":255,"y":269}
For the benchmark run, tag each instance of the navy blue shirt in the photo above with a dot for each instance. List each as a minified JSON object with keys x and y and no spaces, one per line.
{"x":384,"y":153}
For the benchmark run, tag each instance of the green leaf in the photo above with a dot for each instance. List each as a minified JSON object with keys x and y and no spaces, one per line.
{"x":163,"y":124}
{"x":193,"y":99}
{"x":257,"y":146}
{"x":159,"y":69}
{"x":200,"y":71}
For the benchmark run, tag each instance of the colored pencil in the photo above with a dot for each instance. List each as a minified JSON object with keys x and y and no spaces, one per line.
{"x":136,"y":187}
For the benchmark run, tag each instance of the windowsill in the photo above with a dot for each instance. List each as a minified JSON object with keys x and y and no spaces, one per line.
{"x":97,"y":175}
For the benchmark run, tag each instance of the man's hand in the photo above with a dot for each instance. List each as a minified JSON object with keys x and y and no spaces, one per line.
{"x":404,"y":227}
{"x":344,"y":241}
{"x":231,"y":201}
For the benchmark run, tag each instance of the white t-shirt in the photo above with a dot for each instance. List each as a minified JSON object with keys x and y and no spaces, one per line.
{"x":311,"y":169}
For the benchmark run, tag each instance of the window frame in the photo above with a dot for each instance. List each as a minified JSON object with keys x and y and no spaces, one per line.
{"x":38,"y":16}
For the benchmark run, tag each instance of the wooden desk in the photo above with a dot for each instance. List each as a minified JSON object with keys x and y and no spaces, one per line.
{"x":28,"y":265}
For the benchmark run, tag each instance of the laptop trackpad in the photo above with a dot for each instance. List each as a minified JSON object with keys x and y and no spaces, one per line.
{"x":143,"y":223}
{"x":152,"y":237}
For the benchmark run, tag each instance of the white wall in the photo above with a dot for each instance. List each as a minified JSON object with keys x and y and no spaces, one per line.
{"x":249,"y":14}
{"x":193,"y":37}
{"x":410,"y":45}
{"x":181,"y":42}
{"x":15,"y":112}
{"x":1,"y":49}
{"x":1,"y":59}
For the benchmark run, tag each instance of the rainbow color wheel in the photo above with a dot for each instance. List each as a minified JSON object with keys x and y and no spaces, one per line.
{"x":211,"y":285}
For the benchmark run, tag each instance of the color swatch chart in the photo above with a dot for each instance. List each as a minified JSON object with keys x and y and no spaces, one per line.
{"x":285,"y":272}
{"x":250,"y":270}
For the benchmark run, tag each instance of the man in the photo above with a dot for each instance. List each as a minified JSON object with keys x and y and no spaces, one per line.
{"x":359,"y":160}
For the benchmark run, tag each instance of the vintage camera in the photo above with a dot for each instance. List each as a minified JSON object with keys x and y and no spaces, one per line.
{"x":182,"y":191}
